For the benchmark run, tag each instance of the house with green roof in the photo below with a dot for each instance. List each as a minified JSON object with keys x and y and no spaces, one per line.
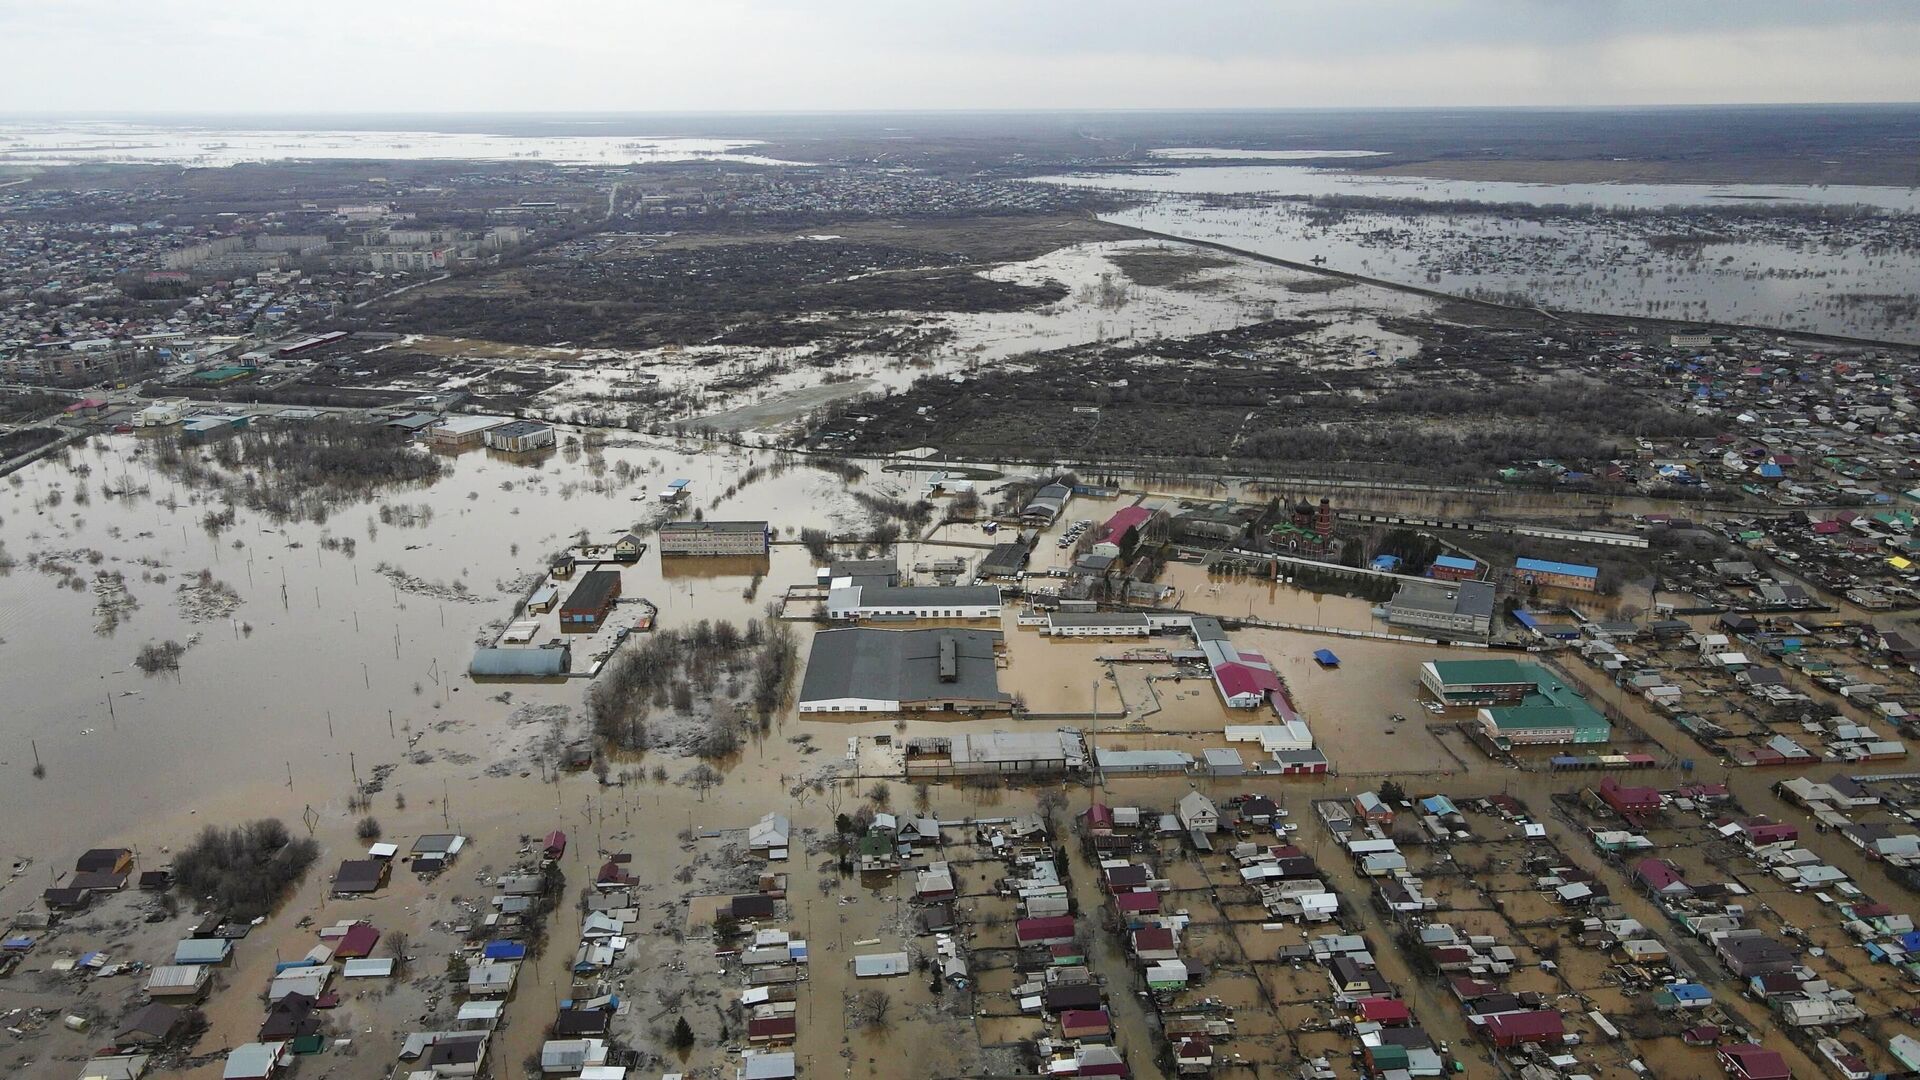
{"x":877,"y":853}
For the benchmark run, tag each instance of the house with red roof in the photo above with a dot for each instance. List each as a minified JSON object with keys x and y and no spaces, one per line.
{"x":1155,"y":943}
{"x":1634,"y":804}
{"x":1760,"y":832}
{"x":1391,"y":1012}
{"x":1542,"y":1026}
{"x":1661,"y":878}
{"x":772,"y":1029}
{"x":1088,"y":1025}
{"x":1749,"y":1061}
{"x":1046,"y":930}
{"x":1099,"y":819}
{"x":1193,"y":1054}
{"x":358,"y":942}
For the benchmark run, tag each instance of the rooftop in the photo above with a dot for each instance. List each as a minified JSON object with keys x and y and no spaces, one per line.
{"x":714,"y":527}
{"x":1473,"y":598}
{"x":1547,"y":566}
{"x":903,"y":665}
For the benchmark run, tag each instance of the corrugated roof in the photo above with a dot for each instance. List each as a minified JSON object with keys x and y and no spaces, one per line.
{"x":902,"y":665}
{"x":498,"y":662}
{"x":1547,"y":566}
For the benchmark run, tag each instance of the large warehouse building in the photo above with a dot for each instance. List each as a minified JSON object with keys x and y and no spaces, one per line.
{"x":867,"y":670}
{"x":713,"y":538}
{"x":914,"y":602}
{"x":1477,"y":682}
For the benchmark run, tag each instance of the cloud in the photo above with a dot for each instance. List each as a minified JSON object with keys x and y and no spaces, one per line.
{"x":759,"y":55}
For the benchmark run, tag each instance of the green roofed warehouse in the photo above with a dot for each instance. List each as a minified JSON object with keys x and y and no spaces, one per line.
{"x":1521,"y":704}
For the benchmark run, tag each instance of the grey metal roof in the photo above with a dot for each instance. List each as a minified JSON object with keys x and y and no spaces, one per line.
{"x":713,"y":527}
{"x":931,"y":596}
{"x":903,"y":665}
{"x":865,"y":568}
{"x":520,"y":662}
{"x":592,"y":590}
{"x":1473,"y":598}
{"x":520,"y":427}
{"x":1206,"y":628}
{"x":1005,"y":558}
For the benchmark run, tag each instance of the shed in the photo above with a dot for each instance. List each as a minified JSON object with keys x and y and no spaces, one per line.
{"x":881,"y":965}
{"x":203,"y":951}
{"x":767,"y":1066}
{"x":152,"y":1023}
{"x":255,"y":1061}
{"x":359,"y":876}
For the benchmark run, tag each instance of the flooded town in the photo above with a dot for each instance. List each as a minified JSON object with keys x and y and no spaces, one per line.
{"x":1247,"y":592}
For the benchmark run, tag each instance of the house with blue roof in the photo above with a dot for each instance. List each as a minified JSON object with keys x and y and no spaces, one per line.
{"x":1683,"y":995}
{"x":504,"y":950}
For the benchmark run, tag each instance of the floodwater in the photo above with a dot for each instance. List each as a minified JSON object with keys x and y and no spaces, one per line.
{"x":322,"y":648}
{"x":1198,"y":153}
{"x":79,"y":142}
{"x":1852,"y":278}
{"x":1302,"y":180}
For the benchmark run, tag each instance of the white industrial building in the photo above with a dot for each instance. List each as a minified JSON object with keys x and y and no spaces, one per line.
{"x":1273,"y":738}
{"x":519,"y":437}
{"x":914,"y":602}
{"x":1098,"y":624}
{"x":159,"y":414}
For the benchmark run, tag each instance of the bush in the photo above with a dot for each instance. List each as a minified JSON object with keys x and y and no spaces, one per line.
{"x":368,"y":829}
{"x":156,"y":657}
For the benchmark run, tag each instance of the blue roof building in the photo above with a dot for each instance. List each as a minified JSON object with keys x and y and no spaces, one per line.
{"x":1565,"y":575}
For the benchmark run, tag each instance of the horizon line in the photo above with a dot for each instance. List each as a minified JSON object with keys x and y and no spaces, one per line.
{"x":958,"y":110}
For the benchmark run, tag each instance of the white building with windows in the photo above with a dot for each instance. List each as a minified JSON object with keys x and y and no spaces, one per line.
{"x":857,"y":602}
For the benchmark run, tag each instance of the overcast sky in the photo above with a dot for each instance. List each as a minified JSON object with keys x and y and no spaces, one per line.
{"x":759,"y":55}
